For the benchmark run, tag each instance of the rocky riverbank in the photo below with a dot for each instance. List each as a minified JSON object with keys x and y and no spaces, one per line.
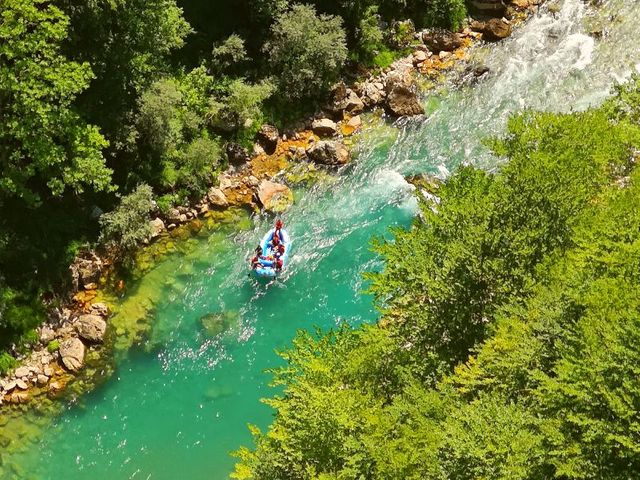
{"x":255,"y":180}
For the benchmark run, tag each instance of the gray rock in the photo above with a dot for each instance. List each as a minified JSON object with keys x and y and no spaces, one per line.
{"x":100,"y":309}
{"x":329,"y":153}
{"x":91,"y":328}
{"x":217,"y":198}
{"x":344,"y":99}
{"x":324,"y":127}
{"x":72,"y":354}
{"x":46,"y":335}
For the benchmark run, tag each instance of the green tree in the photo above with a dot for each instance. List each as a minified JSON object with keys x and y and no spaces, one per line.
{"x":45,"y":146}
{"x":127,"y":225}
{"x":305,"y":51}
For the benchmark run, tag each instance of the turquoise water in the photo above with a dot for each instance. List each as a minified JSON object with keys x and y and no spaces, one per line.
{"x":180,"y":402}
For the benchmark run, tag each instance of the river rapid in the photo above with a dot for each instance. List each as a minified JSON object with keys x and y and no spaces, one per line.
{"x":177,"y":404}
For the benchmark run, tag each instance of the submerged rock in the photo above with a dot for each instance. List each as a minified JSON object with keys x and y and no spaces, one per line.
{"x":72,"y":354}
{"x":274,"y":197}
{"x":329,"y":153}
{"x":216,"y":323}
{"x":91,"y":328}
{"x":402,"y":101}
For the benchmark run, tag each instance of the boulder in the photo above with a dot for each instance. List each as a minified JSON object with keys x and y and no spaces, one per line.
{"x":442,"y":40}
{"x":173,"y":215}
{"x":157,"y":227}
{"x":10,"y":385}
{"x":217,"y":198}
{"x":329,"y":153}
{"x":237,"y":154}
{"x":86,"y":270}
{"x":72,"y":354}
{"x":48,"y":371}
{"x":268,"y":137}
{"x":100,"y":308}
{"x":344,"y":99}
{"x":42,"y":380}
{"x":402,"y":101}
{"x":324,"y":127}
{"x":419,"y":56}
{"x":21,"y":372}
{"x":91,"y":328}
{"x":46,"y":335}
{"x":21,"y":384}
{"x":492,"y":30}
{"x":274,"y":197}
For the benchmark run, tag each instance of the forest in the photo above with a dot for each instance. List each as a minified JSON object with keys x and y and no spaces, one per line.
{"x":509,"y":332}
{"x":114,"y":109}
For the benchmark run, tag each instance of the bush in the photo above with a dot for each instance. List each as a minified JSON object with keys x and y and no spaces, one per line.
{"x":53,"y":346}
{"x":128,"y":225}
{"x":19,"y":313}
{"x":445,"y":13}
{"x":7,"y":362}
{"x":228,"y":54}
{"x":305,"y":51}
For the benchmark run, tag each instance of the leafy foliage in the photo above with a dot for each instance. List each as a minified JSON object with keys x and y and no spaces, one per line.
{"x":508,"y":345}
{"x":128,"y":225}
{"x":45,"y":147}
{"x":306,"y":51}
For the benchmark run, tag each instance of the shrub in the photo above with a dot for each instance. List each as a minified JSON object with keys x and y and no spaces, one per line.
{"x":306,"y":51}
{"x":228,"y":54}
{"x":7,"y":362}
{"x":53,"y":346}
{"x":128,"y":225}
{"x":445,"y":13}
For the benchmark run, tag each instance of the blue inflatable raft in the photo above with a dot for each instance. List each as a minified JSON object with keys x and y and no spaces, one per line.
{"x":267,"y":269}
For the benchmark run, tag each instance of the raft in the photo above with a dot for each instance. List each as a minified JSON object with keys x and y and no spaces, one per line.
{"x":267,"y":268}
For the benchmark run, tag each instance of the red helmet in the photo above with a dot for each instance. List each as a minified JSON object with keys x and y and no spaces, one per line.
{"x":278,"y":224}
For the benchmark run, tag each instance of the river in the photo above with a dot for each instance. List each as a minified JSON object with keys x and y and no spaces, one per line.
{"x":180,"y":402}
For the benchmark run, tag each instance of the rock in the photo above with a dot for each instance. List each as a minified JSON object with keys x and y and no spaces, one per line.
{"x":46,"y":335}
{"x":204,"y":208}
{"x":91,"y":286}
{"x":173,"y":215}
{"x":324,"y":127}
{"x":91,"y":328}
{"x":442,"y":40}
{"x":86,"y":270}
{"x":21,"y":384}
{"x":72,"y":354}
{"x":18,"y":397}
{"x":274,"y":197}
{"x":157,"y":227}
{"x":355,"y":122}
{"x":42,"y":380}
{"x":419,"y":56}
{"x":10,"y":385}
{"x":344,"y":99}
{"x":183,"y":218}
{"x":492,"y":30}
{"x":100,"y":309}
{"x":237,"y":154}
{"x":21,"y":372}
{"x":402,"y":101}
{"x":268,"y":137}
{"x":55,"y":387}
{"x":252,"y":181}
{"x":48,"y":371}
{"x":372,"y":93}
{"x":217,"y":323}
{"x":329,"y":153}
{"x":217,"y":198}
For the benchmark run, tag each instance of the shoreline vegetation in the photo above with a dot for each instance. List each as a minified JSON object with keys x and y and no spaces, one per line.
{"x":175,"y":127}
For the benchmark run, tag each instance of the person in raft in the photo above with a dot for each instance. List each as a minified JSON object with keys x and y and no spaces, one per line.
{"x":278,"y":230}
{"x":255,"y":261}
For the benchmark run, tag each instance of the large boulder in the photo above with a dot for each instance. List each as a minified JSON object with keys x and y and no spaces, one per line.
{"x":324,"y":127}
{"x":86,"y":270}
{"x":344,"y":99}
{"x":237,"y":154}
{"x":442,"y":40}
{"x":72,"y":354}
{"x":402,"y":101}
{"x":217,"y":198}
{"x":274,"y":197}
{"x":91,"y":328}
{"x":492,"y":30}
{"x":329,"y":153}
{"x":268,"y":137}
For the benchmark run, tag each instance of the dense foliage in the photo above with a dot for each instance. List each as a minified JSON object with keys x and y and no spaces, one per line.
{"x":99,"y":97}
{"x":509,"y":342}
